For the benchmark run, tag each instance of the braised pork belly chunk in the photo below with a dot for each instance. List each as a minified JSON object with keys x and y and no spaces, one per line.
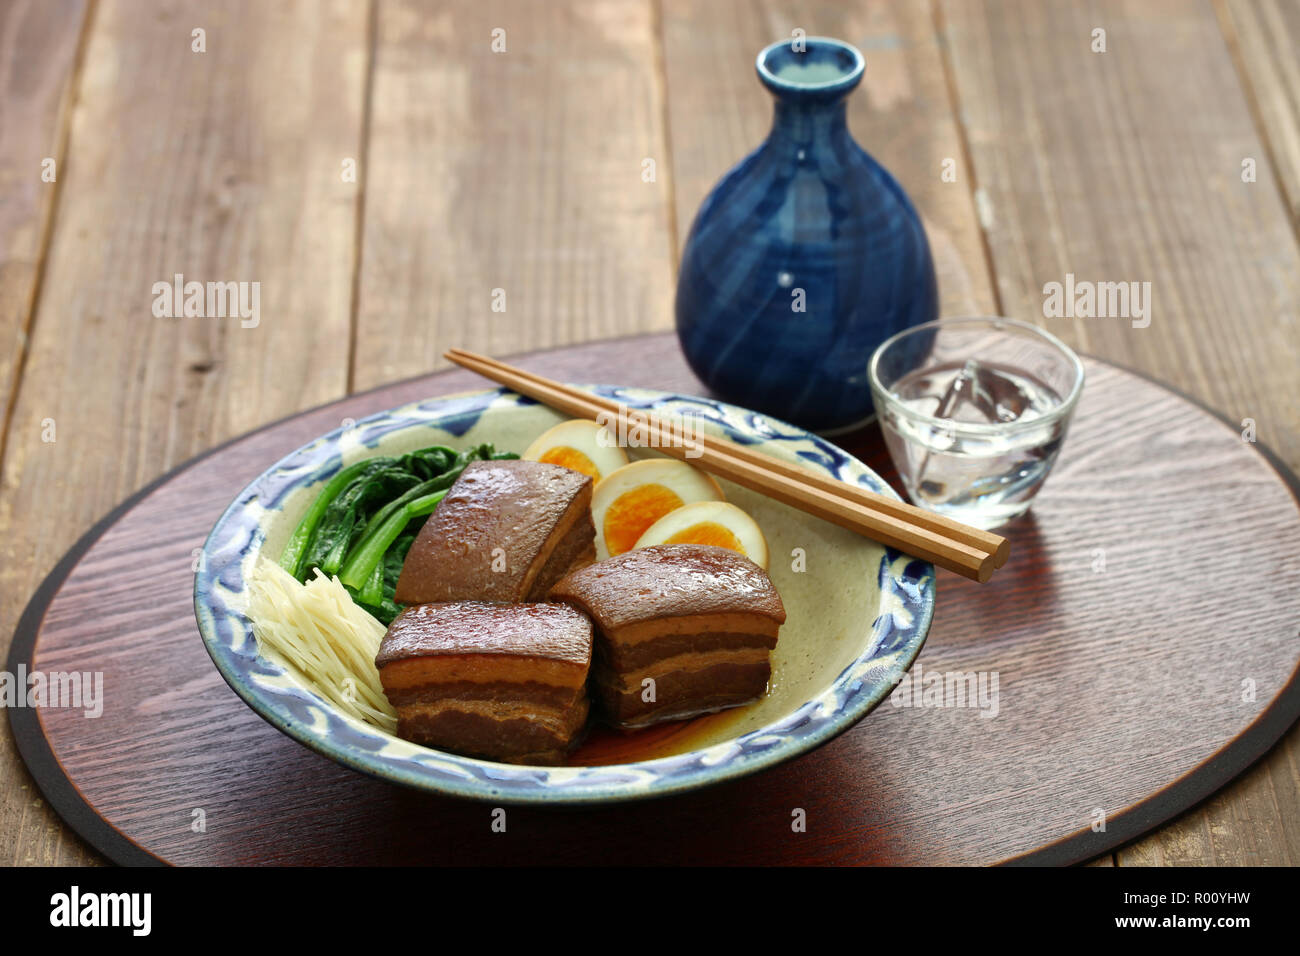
{"x":507,"y":531}
{"x":681,"y":630}
{"x":501,"y":681}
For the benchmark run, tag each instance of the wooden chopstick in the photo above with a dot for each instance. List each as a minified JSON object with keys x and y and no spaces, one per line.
{"x":976,"y":538}
{"x":825,"y":500}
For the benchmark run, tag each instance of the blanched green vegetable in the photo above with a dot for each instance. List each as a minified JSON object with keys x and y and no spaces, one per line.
{"x":367,"y":516}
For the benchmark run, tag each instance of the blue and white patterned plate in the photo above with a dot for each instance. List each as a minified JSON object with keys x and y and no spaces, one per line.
{"x":857,"y":612}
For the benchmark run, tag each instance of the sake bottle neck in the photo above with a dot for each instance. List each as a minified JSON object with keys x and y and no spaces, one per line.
{"x":809,"y":123}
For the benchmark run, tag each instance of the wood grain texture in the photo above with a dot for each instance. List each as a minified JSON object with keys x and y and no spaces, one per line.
{"x":1084,"y":174}
{"x":1264,"y":36}
{"x":1114,"y":680}
{"x":519,"y":171}
{"x":1126,"y":166}
{"x":222,"y":165}
{"x":38,"y":46}
{"x":901,"y":114}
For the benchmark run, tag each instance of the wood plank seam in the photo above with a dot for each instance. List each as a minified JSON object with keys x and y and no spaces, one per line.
{"x":670,"y":192}
{"x":363,"y":161}
{"x":963,"y":137}
{"x":61,"y":146}
{"x":62,"y":141}
{"x":1251,"y":95}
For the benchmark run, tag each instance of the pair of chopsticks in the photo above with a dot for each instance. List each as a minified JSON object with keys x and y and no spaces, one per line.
{"x":967,"y":551}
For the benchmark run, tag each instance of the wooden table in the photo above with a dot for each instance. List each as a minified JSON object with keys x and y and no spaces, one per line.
{"x":387,"y":178}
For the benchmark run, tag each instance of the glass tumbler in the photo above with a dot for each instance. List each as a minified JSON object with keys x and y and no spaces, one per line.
{"x":974,"y":412}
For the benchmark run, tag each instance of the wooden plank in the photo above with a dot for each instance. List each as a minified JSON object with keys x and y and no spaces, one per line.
{"x":38,"y":46}
{"x":518,"y":171}
{"x":902,"y":114}
{"x":223,"y":165}
{"x":1264,"y":36}
{"x":1125,"y":165}
{"x":1250,"y":823}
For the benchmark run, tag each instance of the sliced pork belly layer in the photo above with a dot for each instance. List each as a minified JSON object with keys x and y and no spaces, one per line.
{"x":577,"y":550}
{"x":501,"y":681}
{"x":681,"y":630}
{"x":506,"y":531}
{"x":682,"y":688}
{"x":510,"y":733}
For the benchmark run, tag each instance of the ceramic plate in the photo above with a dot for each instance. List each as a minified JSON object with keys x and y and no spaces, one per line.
{"x":858,"y":612}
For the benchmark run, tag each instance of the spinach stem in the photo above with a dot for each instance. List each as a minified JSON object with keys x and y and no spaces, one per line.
{"x":291,"y":558}
{"x":370,"y":550}
{"x":373,"y":592}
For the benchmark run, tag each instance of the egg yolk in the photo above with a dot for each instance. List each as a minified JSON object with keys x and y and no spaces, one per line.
{"x":707,"y":532}
{"x":632,"y":512}
{"x":567,"y":457}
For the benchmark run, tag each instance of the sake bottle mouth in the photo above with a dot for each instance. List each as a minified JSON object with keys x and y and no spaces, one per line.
{"x":812,"y":68}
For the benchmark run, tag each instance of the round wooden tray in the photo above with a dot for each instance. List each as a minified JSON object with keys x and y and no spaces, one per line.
{"x":1143,"y":636}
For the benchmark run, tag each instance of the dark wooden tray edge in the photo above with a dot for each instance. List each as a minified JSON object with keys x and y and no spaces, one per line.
{"x":1184,"y":794}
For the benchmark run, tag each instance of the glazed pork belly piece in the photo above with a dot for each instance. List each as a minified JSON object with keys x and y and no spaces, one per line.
{"x":505,"y":682}
{"x":698,"y":621}
{"x":507,"y":531}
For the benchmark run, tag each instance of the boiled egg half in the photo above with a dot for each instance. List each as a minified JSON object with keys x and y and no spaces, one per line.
{"x":580,"y":445}
{"x":718,"y":523}
{"x":627,"y":502}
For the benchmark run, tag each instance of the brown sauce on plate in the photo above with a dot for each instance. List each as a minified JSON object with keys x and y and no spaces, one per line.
{"x":604,"y":745}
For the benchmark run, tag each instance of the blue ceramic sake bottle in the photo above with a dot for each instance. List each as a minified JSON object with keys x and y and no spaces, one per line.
{"x":805,"y":257}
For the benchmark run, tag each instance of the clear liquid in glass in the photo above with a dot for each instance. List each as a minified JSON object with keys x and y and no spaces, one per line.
{"x":982,"y":479}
